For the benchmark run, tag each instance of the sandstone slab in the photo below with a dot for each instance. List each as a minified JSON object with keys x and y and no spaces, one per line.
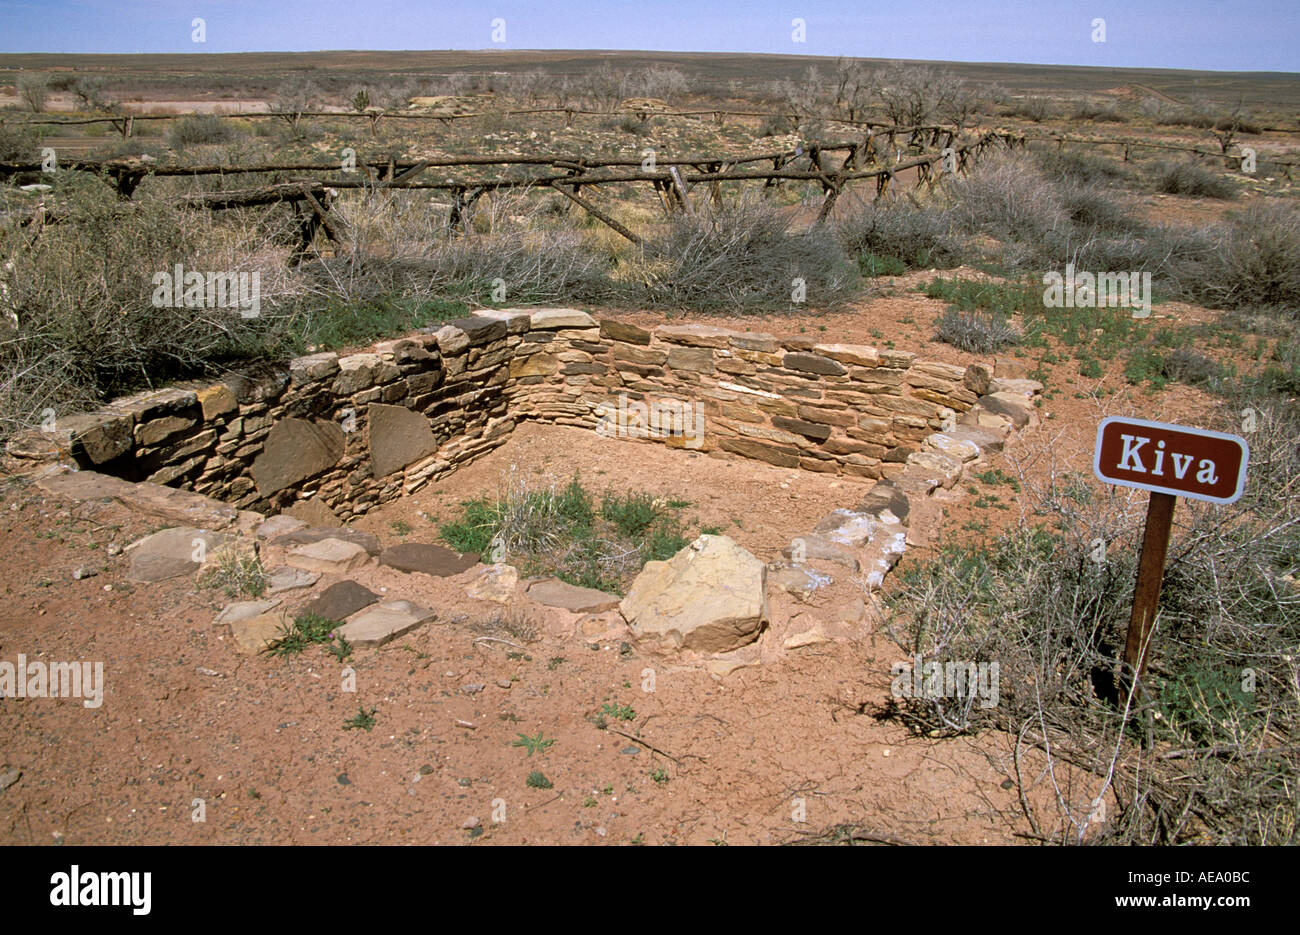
{"x":328,"y":556}
{"x":309,"y":534}
{"x":496,"y":583}
{"x":170,"y":553}
{"x":340,"y":601}
{"x":312,"y":512}
{"x":427,"y":559}
{"x":253,"y":635}
{"x":710,"y":597}
{"x":398,"y":437}
{"x":818,"y":548}
{"x":1012,"y":406}
{"x":552,"y":592}
{"x":168,"y":503}
{"x":295,"y":450}
{"x":384,"y":622}
{"x":286,"y":578}
{"x":547,"y":318}
{"x":243,"y":610}
{"x":959,"y":449}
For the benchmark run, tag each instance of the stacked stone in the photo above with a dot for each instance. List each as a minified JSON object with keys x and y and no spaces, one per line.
{"x":833,"y":408}
{"x":561,"y":369}
{"x":469,"y":413}
{"x":354,"y":431}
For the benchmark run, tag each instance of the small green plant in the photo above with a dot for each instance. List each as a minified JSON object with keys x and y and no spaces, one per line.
{"x":996,"y":476}
{"x":660,"y":776}
{"x":873,"y":264}
{"x":340,"y":649}
{"x":560,"y":531}
{"x":555,"y":662}
{"x":306,"y":630}
{"x":537,"y":780}
{"x":362,"y":720}
{"x":1147,"y":365}
{"x":401,"y":527}
{"x":620,"y":712}
{"x":537,"y":744}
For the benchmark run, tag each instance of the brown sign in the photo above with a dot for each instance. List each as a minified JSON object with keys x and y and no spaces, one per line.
{"x":1171,"y":459}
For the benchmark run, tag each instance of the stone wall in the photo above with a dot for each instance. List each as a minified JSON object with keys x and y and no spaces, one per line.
{"x":793,"y":402}
{"x":362,"y":429}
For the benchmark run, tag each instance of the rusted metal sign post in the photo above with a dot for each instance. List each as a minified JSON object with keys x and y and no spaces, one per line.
{"x":1170,"y":461}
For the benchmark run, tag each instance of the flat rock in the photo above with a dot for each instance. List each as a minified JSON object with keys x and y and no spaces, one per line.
{"x":286,"y":578}
{"x":552,"y":592}
{"x":384,"y":622}
{"x":328,"y":556}
{"x":170,"y":553}
{"x":810,"y":637}
{"x":495,"y":583}
{"x":948,"y":468}
{"x":545,"y":318}
{"x":295,"y":450}
{"x":813,"y":363}
{"x":958,"y":449}
{"x":1013,"y":406}
{"x":428,"y":559}
{"x":168,"y":503}
{"x":309,"y":534}
{"x":312,"y":512}
{"x":859,"y":355}
{"x":252,"y":635}
{"x":277,"y":525}
{"x":710,"y":597}
{"x":340,"y":601}
{"x":983,"y":439}
{"x":100,"y":436}
{"x":917,"y":480}
{"x":801,"y":582}
{"x":1016,"y":385}
{"x":480,"y":330}
{"x":695,"y":335}
{"x":243,"y":610}
{"x":885,"y":498}
{"x":847,"y":527}
{"x":818,"y":548}
{"x":621,"y":331}
{"x":398,"y":437}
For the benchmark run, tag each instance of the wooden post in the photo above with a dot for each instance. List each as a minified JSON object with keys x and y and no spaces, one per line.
{"x":680,"y":188}
{"x":1151,"y":571}
{"x":597,"y":213}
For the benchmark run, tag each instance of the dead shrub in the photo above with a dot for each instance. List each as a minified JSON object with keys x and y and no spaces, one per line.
{"x":743,"y":257}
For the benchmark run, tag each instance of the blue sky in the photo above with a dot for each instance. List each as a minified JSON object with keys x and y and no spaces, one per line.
{"x":1245,"y":35}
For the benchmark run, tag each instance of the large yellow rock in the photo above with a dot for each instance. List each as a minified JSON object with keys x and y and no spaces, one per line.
{"x":710,"y":597}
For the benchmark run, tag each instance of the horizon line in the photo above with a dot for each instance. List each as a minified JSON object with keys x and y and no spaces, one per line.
{"x":786,"y":55}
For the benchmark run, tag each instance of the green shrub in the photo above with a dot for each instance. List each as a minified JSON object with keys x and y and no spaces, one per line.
{"x":559,"y":531}
{"x":742,"y":257}
{"x":1190,"y":178}
{"x":891,"y":237}
{"x":201,"y":130}
{"x":1251,"y":260}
